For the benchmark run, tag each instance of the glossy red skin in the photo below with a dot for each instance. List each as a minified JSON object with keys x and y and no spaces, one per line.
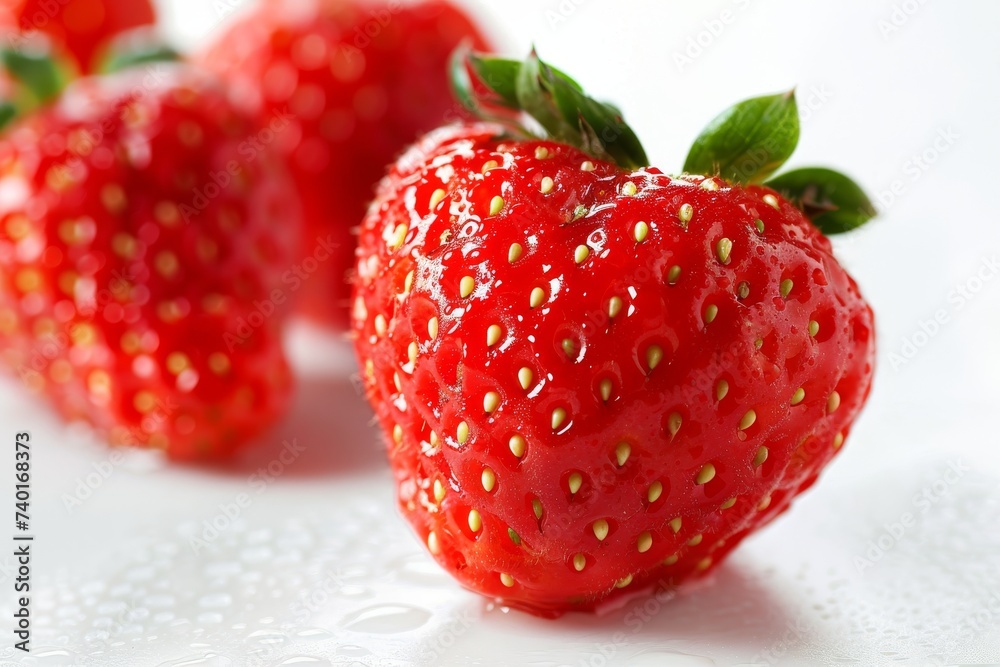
{"x":83,"y":27}
{"x":371,"y":77}
{"x":454,"y":371}
{"x":235,"y":244}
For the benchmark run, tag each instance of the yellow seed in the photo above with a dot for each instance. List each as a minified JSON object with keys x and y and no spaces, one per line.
{"x":398,"y":236}
{"x":654,"y":355}
{"x":381,"y":325}
{"x":518,"y":445}
{"x":493,"y":334}
{"x":28,"y":280}
{"x":764,"y":503}
{"x":673,"y":274}
{"x":514,"y":253}
{"x":177,"y":362}
{"x":558,"y":417}
{"x":547,"y":185}
{"x":397,"y":434}
{"x":541,"y":153}
{"x":581,"y":254}
{"x":759,"y":224}
{"x":729,"y":503}
{"x":696,"y":540}
{"x":462,"y":433}
{"x":475,"y":521}
{"x":575,"y":482}
{"x":600,"y":529}
{"x":704,"y":563}
{"x":412,"y":350}
{"x":433,"y":543}
{"x":436,"y":198}
{"x":721,"y":389}
{"x":629,"y":189}
{"x":496,"y":205}
{"x":722,"y":250}
{"x":506,"y":579}
{"x":166,"y":213}
{"x":748,"y":419}
{"x":760,"y":457}
{"x":838,"y":440}
{"x":537,"y":297}
{"x":491,"y":401}
{"x":536,"y":507}
{"x":641,"y":231}
{"x":579,"y":562}
{"x":743,"y":289}
{"x":709,"y":184}
{"x":623,"y":582}
{"x":675,"y":524}
{"x":435,"y":441}
{"x":671,"y":560}
{"x":684,"y":213}
{"x":569,"y":347}
{"x":614,"y":307}
{"x":466,"y":286}
{"x":833,"y":402}
{"x":489,"y":480}
{"x":771,"y":200}
{"x":644,"y":542}
{"x":144,"y":401}
{"x":622,"y":452}
{"x":606,"y":386}
{"x":587,"y":166}
{"x":710,"y":313}
{"x":654,"y":492}
{"x":813,"y":328}
{"x":798,"y":396}
{"x":432,"y":328}
{"x":439,"y":491}
{"x":219,"y":363}
{"x":705,"y":475}
{"x":408,"y":283}
{"x":490,"y":164}
{"x":526,"y":377}
{"x":786,"y":287}
{"x":674,"y":424}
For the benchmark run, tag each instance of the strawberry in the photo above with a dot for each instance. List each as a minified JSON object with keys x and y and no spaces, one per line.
{"x":361,"y":79}
{"x":143,"y":235}
{"x":82,"y":28}
{"x":592,"y":375}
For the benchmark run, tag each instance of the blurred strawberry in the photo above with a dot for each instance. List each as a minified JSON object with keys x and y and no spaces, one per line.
{"x":144,"y":231}
{"x":82,"y":27}
{"x":361,"y":79}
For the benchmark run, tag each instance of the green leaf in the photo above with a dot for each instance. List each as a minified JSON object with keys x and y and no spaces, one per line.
{"x":833,"y":201}
{"x":39,"y":74}
{"x":553,"y":98}
{"x":749,"y":141}
{"x":7,"y":113}
{"x":149,"y":53}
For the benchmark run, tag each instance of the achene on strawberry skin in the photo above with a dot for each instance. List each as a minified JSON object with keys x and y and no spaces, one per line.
{"x":593,"y":375}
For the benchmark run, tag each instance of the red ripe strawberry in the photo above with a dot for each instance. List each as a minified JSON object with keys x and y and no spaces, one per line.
{"x":82,"y":28}
{"x":362,"y":79}
{"x":140,"y":241}
{"x":594,"y":375}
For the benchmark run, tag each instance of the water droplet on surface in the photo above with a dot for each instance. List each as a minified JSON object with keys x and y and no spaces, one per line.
{"x":386,"y":619}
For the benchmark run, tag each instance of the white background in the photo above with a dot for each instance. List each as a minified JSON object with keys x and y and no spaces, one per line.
{"x":319,"y":569}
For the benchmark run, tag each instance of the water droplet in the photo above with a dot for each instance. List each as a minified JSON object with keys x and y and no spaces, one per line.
{"x":386,"y":619}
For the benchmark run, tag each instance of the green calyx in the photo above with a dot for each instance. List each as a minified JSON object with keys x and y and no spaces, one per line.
{"x":746,"y":144}
{"x":503,"y":88}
